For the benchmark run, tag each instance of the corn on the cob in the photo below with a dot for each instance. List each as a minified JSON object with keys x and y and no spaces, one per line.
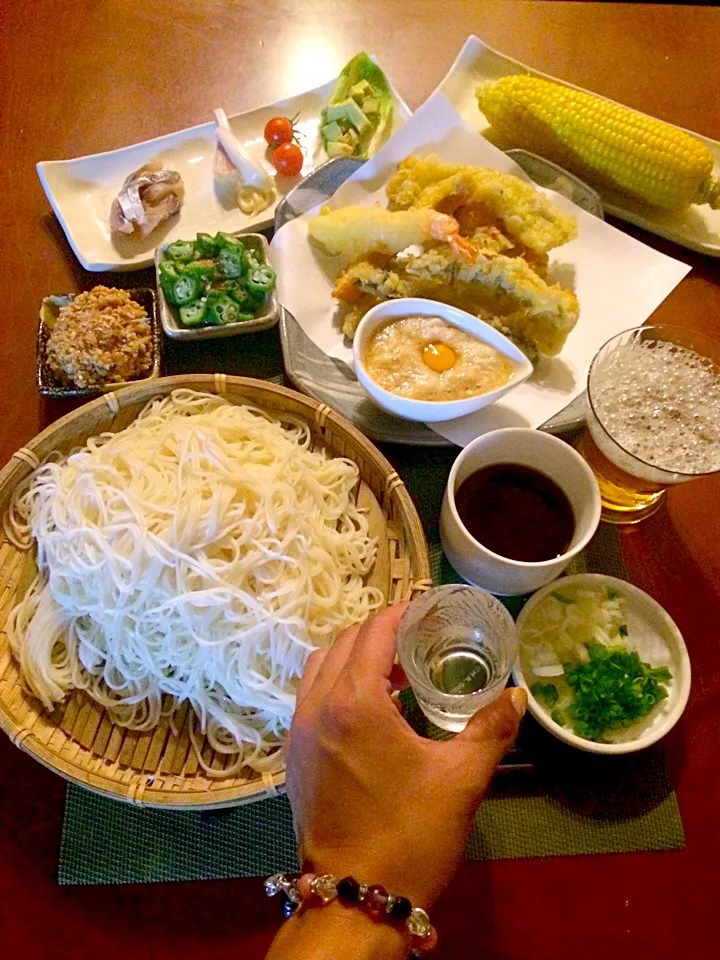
{"x":602,"y":141}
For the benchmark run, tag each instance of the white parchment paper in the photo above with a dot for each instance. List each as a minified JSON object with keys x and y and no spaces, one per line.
{"x":618,"y":280}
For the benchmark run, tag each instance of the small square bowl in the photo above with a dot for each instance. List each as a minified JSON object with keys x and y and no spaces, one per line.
{"x":268,"y":318}
{"x":47,"y":382}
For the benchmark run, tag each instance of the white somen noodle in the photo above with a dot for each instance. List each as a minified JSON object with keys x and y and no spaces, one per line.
{"x":197,"y":556}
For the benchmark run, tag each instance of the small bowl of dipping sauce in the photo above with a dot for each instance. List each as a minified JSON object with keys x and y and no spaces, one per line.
{"x":519,"y":505}
{"x":424,"y":360}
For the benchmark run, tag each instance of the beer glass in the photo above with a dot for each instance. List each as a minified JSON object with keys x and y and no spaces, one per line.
{"x":653,"y":417}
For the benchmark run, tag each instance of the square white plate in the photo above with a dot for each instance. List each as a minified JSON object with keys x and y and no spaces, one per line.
{"x":697,"y":228}
{"x":81,"y":191}
{"x":618,"y":280}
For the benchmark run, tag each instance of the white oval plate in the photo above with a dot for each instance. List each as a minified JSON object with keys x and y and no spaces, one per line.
{"x":697,"y":228}
{"x":81,"y":191}
{"x":654,"y":635}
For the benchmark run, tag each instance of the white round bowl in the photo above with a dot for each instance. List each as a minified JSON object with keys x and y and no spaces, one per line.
{"x":654,"y":635}
{"x":433,"y":411}
{"x":539,"y":451}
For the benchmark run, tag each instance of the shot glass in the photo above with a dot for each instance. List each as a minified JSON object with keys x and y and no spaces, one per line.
{"x":456,"y":644}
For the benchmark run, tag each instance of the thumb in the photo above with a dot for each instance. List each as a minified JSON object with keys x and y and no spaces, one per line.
{"x":490,"y":733}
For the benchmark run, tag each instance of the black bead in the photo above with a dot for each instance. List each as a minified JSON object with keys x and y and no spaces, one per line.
{"x":348,"y":889}
{"x":401,"y":909}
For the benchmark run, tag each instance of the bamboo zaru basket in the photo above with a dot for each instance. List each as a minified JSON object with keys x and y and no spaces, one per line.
{"x":158,"y":768}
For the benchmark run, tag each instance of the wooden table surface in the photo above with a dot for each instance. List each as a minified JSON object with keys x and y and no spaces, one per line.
{"x":84,"y":75}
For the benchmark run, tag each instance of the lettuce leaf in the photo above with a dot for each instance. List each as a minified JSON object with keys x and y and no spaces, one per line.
{"x":361,"y":67}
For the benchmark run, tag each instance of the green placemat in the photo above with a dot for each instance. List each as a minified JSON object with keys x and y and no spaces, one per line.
{"x":573,"y":803}
{"x":527,"y":815}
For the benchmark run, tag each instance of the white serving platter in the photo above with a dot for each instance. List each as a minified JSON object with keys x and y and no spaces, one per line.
{"x":697,"y":228}
{"x":618,"y":280}
{"x":333,"y":382}
{"x":81,"y":191}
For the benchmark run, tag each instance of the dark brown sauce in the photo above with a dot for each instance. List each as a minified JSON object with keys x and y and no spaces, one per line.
{"x":516,"y":512}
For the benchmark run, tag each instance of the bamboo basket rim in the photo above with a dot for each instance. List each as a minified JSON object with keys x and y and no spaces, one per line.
{"x":138,"y":786}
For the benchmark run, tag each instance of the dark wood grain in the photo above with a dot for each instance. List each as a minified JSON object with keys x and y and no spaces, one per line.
{"x":81,"y":76}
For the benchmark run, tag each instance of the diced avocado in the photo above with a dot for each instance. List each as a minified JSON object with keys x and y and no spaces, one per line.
{"x":336,"y":111}
{"x":370,"y":106}
{"x":360,"y":90}
{"x":332,"y":131}
{"x":356,"y":117}
{"x":334,"y":148}
{"x":350,"y":111}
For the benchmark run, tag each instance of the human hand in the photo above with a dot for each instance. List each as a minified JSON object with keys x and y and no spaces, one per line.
{"x":370,"y":797}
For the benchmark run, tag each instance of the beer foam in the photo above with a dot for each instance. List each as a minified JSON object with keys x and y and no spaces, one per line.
{"x":661,"y":402}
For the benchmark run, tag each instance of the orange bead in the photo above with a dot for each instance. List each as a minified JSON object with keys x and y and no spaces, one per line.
{"x":427,"y":943}
{"x":305,"y":885}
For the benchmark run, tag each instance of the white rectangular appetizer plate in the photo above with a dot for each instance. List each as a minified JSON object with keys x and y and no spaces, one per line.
{"x":697,"y":228}
{"x":81,"y":191}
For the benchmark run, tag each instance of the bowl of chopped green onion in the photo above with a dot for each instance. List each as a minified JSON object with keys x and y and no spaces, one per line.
{"x":604,"y":666}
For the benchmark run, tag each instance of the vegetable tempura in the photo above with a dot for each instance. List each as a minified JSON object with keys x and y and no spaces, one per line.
{"x":472,"y":237}
{"x":516,"y":207}
{"x":503,"y":291}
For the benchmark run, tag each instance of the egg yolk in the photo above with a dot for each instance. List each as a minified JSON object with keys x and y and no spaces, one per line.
{"x":439,"y":356}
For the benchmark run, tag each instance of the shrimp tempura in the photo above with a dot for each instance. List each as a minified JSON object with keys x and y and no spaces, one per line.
{"x":354,"y":232}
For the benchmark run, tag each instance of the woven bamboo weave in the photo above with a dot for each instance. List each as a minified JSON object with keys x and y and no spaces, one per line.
{"x":157,"y":768}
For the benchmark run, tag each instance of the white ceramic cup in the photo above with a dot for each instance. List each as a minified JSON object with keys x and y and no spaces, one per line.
{"x":530,"y":448}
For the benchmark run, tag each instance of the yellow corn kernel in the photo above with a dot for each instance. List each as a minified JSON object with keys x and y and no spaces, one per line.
{"x":602,"y":141}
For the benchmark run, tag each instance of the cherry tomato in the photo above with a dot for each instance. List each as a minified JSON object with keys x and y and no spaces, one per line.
{"x":279,"y":130}
{"x":288,"y":159}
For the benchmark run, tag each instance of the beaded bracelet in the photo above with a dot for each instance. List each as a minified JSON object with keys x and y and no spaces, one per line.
{"x":302,"y":890}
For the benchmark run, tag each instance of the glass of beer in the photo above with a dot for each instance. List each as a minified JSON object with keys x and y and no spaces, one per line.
{"x":653,"y":417}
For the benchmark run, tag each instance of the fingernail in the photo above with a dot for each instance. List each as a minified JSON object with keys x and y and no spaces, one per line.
{"x":518,"y":698}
